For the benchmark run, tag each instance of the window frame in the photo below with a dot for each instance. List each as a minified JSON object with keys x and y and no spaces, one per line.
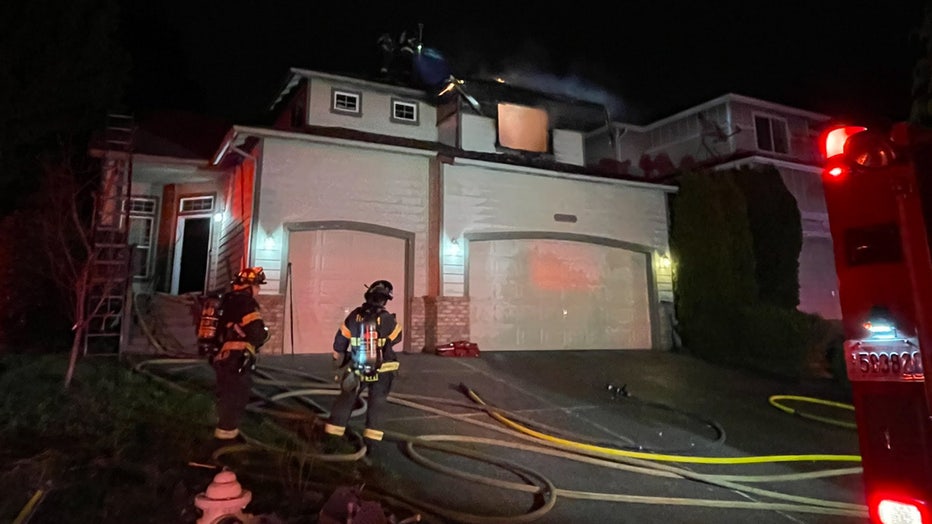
{"x":150,"y":217}
{"x":190,"y":198}
{"x":337,"y":92}
{"x":770,"y":127}
{"x":415,"y":109}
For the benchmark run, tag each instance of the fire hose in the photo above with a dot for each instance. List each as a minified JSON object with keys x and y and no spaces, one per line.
{"x":544,"y":443}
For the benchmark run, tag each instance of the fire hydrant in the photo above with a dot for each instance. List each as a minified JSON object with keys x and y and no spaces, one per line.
{"x":223,"y":500}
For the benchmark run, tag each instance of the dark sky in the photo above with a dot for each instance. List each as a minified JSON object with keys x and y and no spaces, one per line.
{"x":644,"y":59}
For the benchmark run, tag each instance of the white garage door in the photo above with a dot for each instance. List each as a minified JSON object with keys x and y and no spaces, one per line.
{"x":330,"y":269}
{"x":528,"y":294}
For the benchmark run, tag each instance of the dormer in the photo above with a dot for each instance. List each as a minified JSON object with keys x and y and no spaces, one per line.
{"x":312,"y":99}
{"x":494,"y":117}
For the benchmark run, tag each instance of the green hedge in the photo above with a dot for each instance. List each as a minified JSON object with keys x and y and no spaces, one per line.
{"x":736,"y":246}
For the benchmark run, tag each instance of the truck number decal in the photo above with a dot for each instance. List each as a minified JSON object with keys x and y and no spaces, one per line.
{"x":893,"y":361}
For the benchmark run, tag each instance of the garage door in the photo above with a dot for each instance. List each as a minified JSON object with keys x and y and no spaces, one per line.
{"x":529,"y":294}
{"x":330,"y":269}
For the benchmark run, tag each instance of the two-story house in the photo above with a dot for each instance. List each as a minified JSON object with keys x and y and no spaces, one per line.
{"x":478,"y":205}
{"x":731,"y":131}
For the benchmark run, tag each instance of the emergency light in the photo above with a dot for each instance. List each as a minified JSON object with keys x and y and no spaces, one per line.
{"x":894,"y":509}
{"x":854,"y":147}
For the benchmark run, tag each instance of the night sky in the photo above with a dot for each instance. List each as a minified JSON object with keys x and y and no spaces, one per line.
{"x":644,"y":60}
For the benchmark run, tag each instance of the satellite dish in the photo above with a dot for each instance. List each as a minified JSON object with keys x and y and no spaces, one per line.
{"x":430,"y":66}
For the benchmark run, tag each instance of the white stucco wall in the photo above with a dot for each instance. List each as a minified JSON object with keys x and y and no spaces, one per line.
{"x":482,"y":197}
{"x":305,"y":180}
{"x":477,"y":133}
{"x":568,"y":147}
{"x":376,"y":111}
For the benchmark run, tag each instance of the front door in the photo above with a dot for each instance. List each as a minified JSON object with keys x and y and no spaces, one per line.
{"x":191,"y":251}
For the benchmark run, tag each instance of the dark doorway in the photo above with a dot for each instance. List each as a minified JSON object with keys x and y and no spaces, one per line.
{"x":194,"y":248}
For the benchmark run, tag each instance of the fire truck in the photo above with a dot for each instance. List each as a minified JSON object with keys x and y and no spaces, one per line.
{"x":878,"y":192}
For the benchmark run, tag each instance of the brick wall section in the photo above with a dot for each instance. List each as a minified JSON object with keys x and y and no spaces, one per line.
{"x":449,"y":318}
{"x":273,"y":313}
{"x":437,"y":320}
{"x":417,"y":325}
{"x":434,"y":321}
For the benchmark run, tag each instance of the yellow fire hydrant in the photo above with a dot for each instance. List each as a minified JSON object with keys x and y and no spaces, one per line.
{"x":223,"y":499}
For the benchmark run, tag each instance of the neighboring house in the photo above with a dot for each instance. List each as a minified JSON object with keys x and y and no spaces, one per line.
{"x":732,"y":131}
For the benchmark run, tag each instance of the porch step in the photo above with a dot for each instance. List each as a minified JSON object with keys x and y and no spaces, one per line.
{"x":164,"y":324}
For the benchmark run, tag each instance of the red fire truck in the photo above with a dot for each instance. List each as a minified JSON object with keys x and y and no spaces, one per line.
{"x":878,"y":190}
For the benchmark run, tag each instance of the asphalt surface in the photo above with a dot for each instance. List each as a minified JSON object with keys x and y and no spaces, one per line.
{"x":677,"y":405}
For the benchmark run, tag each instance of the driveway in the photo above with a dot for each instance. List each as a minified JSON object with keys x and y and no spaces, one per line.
{"x":566,"y":448}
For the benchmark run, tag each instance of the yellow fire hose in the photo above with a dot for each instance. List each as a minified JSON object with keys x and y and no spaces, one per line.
{"x":659,"y":457}
{"x":774,"y":401}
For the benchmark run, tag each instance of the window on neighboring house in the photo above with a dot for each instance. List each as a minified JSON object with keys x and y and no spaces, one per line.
{"x":142,"y":211}
{"x":771,"y":134}
{"x":346,"y":102}
{"x":404,"y":111}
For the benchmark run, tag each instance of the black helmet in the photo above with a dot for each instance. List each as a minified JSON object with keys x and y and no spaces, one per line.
{"x":379,"y":289}
{"x":251,"y":276}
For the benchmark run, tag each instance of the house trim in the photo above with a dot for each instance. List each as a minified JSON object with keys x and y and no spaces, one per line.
{"x":757,"y":159}
{"x":558,"y":174}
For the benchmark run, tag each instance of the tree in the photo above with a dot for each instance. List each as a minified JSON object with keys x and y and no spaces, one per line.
{"x":62,"y":72}
{"x":776,"y":230}
{"x":711,"y":242}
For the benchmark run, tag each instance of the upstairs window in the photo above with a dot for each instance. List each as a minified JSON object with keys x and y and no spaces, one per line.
{"x":523,"y":128}
{"x":771,"y":134}
{"x":346,"y":102}
{"x":404,"y":111}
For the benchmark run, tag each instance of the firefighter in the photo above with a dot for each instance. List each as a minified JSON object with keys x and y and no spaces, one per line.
{"x":364,"y":346}
{"x":243,"y":332}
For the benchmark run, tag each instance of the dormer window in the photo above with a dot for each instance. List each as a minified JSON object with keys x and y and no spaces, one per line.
{"x":771,"y":134}
{"x":404,"y":111}
{"x":346,"y":102}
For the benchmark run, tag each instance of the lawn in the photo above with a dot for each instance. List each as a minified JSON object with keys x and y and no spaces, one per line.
{"x":117,"y":446}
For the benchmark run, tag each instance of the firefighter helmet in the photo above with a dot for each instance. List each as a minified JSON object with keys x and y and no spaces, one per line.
{"x":378,"y":290}
{"x":251,"y":276}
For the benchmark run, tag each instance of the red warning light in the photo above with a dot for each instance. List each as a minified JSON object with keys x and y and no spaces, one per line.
{"x":834,"y":140}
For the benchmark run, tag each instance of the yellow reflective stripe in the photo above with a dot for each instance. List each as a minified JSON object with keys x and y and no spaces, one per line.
{"x":336,"y":431}
{"x":345,"y":331}
{"x":395,"y":333}
{"x":236,"y":345}
{"x":388,"y":366}
{"x":372,"y":434}
{"x":255,"y":315}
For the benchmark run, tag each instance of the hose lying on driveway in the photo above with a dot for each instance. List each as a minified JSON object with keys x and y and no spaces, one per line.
{"x":544,"y":489}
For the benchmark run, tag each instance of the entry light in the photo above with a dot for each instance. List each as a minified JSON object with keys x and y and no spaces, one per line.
{"x":218,"y":217}
{"x":879,"y":324}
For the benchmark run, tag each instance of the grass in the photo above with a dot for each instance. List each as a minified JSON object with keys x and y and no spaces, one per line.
{"x":116,"y":446}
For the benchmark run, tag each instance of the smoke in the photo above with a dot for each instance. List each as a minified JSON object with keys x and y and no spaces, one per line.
{"x":572,"y":86}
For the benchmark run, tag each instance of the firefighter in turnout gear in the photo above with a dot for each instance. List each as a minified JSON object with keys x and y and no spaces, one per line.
{"x":365,"y":346}
{"x":242,"y":332}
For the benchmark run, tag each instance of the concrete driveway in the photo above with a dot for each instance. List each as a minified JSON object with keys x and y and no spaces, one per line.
{"x":678,"y":406}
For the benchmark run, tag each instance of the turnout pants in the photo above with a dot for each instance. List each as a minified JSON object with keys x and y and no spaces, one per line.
{"x":343,"y":407}
{"x":233,"y":390}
